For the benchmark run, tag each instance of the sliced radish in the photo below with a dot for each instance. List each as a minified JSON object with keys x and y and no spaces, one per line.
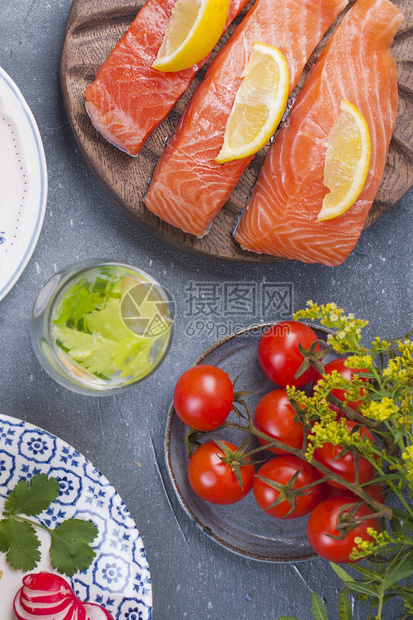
{"x":47,"y":596}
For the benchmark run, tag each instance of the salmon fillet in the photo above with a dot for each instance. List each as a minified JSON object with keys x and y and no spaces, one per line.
{"x":188,"y":187}
{"x":128,"y":99}
{"x":356,"y":65}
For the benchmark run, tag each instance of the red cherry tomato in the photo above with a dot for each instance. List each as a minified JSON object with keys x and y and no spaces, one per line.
{"x":281,"y":470}
{"x":203,"y":397}
{"x":347,"y":373}
{"x":322,"y":524}
{"x":344,"y":466}
{"x":279,"y":355}
{"x":274,"y":416}
{"x":376,"y":491}
{"x":215,"y":481}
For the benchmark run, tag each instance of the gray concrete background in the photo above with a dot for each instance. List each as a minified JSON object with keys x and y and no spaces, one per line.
{"x":192,"y":576}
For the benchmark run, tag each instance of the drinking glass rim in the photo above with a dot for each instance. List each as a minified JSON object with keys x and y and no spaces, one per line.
{"x":78,"y":269}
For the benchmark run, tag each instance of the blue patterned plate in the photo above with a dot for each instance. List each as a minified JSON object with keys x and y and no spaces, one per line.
{"x":119,"y":577}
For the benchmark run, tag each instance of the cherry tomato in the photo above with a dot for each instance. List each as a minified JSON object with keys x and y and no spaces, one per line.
{"x":344,"y":466}
{"x":347,"y":373}
{"x":203,"y":397}
{"x":376,"y":491}
{"x":215,"y":481}
{"x":281,"y":470}
{"x":322,"y":524}
{"x":274,"y":416}
{"x":279,"y":355}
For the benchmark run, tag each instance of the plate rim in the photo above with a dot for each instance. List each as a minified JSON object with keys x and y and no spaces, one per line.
{"x":43,"y":184}
{"x":30,"y":426}
{"x":167,"y":453}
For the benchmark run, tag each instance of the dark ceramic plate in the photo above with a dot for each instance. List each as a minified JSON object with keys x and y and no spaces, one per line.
{"x":243,"y":528}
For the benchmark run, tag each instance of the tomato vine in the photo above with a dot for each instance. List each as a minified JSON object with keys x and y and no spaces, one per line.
{"x":376,"y":396}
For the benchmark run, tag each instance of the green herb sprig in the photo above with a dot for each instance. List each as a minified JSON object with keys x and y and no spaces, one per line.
{"x":70,"y":548}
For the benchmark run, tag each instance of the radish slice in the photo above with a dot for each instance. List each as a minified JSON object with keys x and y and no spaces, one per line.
{"x":46,"y":596}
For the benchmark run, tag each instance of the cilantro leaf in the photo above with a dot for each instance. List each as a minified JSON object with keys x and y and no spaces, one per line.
{"x":31,"y":497}
{"x":70,"y":551}
{"x":20,"y":537}
{"x":4,"y":541}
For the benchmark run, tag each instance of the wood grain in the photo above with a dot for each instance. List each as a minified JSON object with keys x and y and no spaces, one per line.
{"x":94,"y":27}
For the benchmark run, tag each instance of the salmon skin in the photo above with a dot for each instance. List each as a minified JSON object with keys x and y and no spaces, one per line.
{"x":128,"y":99}
{"x":189,"y":188}
{"x":356,"y":65}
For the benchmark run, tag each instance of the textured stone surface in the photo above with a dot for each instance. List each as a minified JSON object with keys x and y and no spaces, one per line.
{"x":192,"y":576}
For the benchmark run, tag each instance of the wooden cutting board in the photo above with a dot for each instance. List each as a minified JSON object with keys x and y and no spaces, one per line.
{"x":95,"y":26}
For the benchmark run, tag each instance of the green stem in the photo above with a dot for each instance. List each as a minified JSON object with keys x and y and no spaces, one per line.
{"x":401,"y":498}
{"x":382,"y":587}
{"x":380,"y":607}
{"x":378,"y":378}
{"x":21,"y":519}
{"x":328,"y":475}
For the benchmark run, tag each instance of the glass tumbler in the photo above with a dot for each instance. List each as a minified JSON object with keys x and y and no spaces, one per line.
{"x":101,"y":326}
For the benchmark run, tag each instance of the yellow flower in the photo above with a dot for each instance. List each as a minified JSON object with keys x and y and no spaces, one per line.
{"x":405,"y":420}
{"x":408,"y":454}
{"x":364,"y":548}
{"x":359,"y":361}
{"x":405,"y":417}
{"x":331,"y":381}
{"x":328,"y":431}
{"x":300,"y":397}
{"x":349,"y":329}
{"x":380,"y":411}
{"x":407,"y":457}
{"x":379,"y":345}
{"x":400,"y":369}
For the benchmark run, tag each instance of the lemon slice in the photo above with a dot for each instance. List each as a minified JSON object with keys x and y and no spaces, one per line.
{"x":347,"y":162}
{"x":145,"y":310}
{"x":259,"y":104}
{"x":194,"y":28}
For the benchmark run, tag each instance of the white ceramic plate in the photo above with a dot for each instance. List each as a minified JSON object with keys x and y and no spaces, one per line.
{"x":119,"y":576}
{"x":23,"y":183}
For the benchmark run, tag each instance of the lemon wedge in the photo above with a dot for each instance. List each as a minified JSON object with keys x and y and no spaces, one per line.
{"x":145,"y":310}
{"x":259,"y":104}
{"x":347,"y":162}
{"x":194,"y":28}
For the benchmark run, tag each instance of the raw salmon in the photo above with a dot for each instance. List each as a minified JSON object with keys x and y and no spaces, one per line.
{"x":128,"y":99}
{"x":189,"y":188}
{"x":356,"y":65}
